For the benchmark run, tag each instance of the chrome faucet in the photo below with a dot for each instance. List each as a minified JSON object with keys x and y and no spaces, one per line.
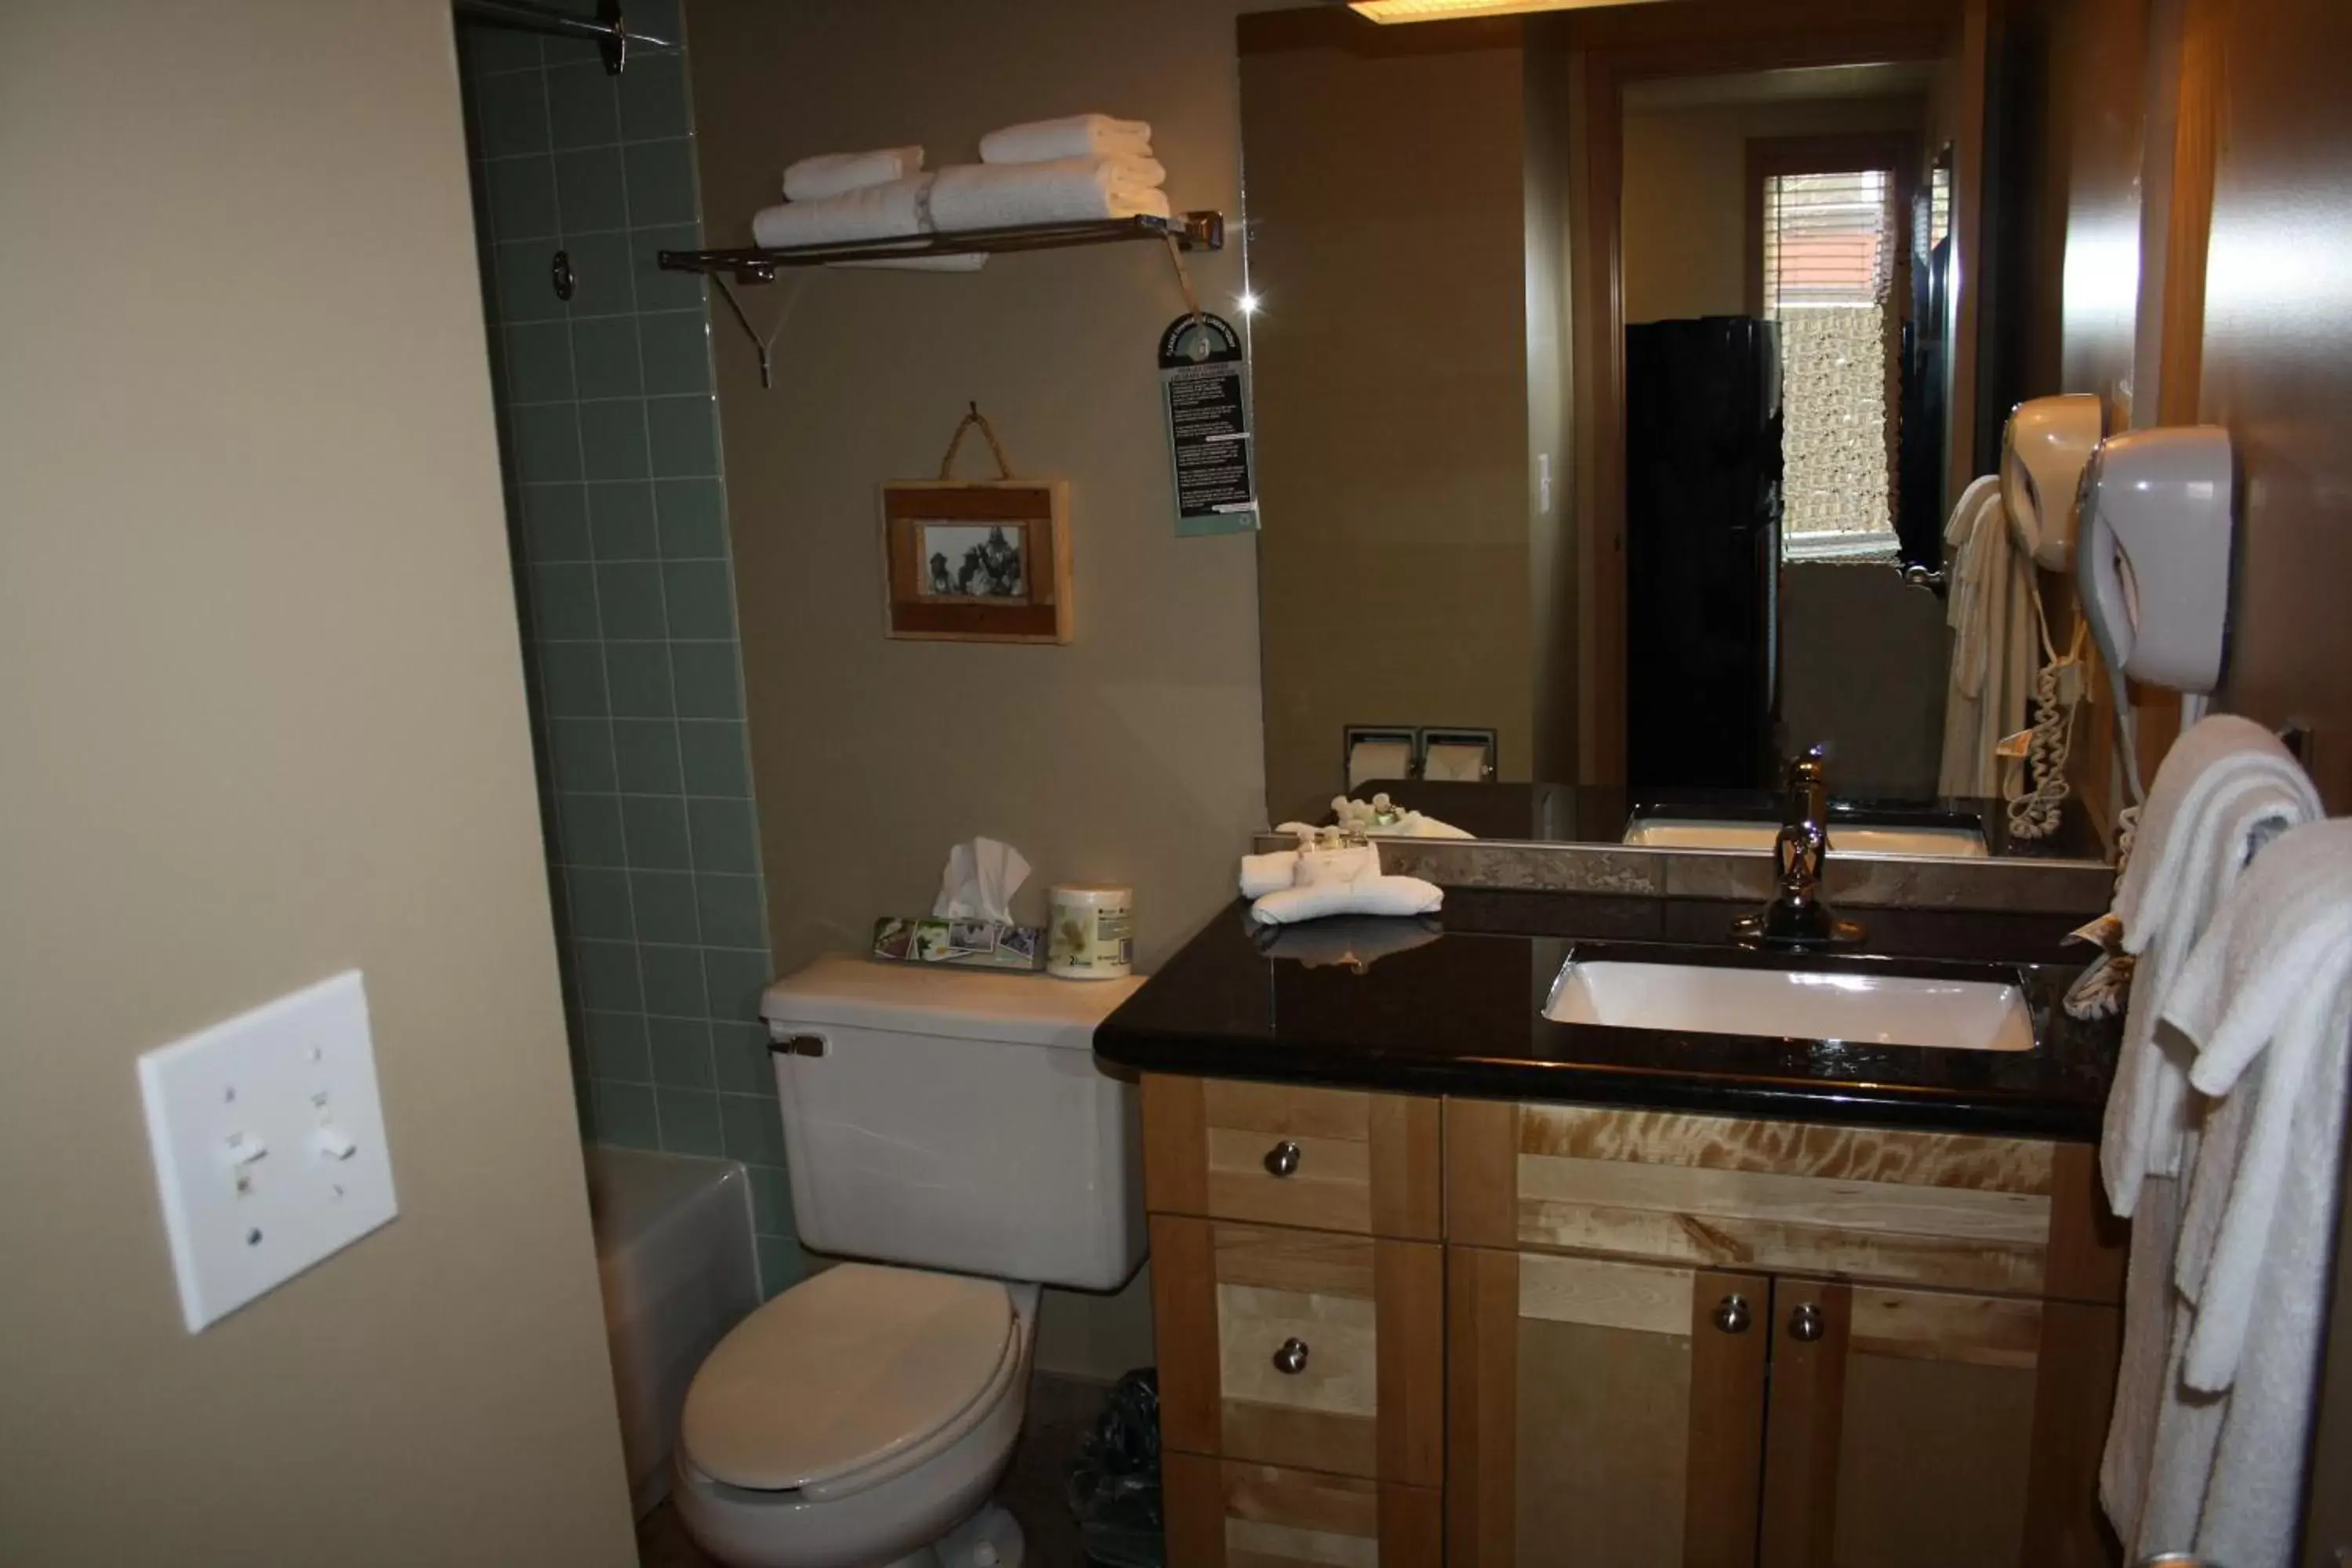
{"x":1796,"y":917}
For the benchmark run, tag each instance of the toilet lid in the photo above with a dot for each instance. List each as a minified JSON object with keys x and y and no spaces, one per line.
{"x":841,"y":1372}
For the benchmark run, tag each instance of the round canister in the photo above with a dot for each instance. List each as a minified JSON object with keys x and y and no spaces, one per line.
{"x":1093,"y":932}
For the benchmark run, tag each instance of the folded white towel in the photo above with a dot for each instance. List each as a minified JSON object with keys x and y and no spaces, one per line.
{"x":1073,"y":136}
{"x":1263,"y":874}
{"x":2266,"y":999}
{"x":1346,"y":883}
{"x":891,"y":211}
{"x":1074,"y":190}
{"x":832,"y":174}
{"x":2226,"y":787}
{"x":1365,"y":896}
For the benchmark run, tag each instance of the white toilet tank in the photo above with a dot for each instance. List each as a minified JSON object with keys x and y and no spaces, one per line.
{"x":955,"y":1118}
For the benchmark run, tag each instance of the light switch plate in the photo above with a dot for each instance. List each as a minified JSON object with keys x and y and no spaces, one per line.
{"x":269,"y":1148}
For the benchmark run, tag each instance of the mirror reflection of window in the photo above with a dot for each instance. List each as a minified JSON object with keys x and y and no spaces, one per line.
{"x":1829,"y":248}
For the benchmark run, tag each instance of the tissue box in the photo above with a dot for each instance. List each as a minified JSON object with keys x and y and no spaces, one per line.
{"x":976,"y":944}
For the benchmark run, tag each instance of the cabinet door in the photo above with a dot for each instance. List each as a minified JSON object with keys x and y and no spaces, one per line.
{"x":1602,"y":1412}
{"x":1222,"y":1515}
{"x":1299,"y":1348}
{"x":1926,"y":1428}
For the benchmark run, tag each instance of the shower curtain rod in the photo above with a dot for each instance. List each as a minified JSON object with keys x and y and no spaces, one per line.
{"x":608,"y":27}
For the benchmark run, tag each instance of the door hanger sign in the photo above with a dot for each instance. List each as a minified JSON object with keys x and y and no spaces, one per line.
{"x":1204,"y":381}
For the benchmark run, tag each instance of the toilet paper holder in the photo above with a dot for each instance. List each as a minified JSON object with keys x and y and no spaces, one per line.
{"x":1415,"y":744}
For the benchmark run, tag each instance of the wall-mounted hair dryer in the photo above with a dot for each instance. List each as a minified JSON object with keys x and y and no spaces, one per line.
{"x":2043,"y":448}
{"x":2155,"y":567}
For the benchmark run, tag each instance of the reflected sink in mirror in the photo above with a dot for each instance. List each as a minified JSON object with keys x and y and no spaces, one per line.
{"x":1797,"y":996}
{"x":1852,"y":838}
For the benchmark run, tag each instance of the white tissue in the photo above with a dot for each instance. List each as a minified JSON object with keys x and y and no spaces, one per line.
{"x":979,"y":882}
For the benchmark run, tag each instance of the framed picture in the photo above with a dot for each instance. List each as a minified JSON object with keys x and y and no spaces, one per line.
{"x":977,"y":561}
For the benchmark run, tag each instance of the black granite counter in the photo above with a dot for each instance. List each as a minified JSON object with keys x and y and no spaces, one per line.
{"x":1455,"y":1006}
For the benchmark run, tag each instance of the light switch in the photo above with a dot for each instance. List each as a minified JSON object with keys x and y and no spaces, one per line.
{"x":269,"y":1148}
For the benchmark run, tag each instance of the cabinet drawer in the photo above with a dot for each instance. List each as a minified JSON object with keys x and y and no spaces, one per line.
{"x":1327,"y":1159}
{"x":2010,"y":1215}
{"x":1229,"y":1515}
{"x":1297,"y":1348}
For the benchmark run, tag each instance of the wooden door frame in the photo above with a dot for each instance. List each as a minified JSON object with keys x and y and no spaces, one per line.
{"x":1603,"y":51}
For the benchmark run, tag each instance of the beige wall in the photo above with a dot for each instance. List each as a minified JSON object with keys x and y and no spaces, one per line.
{"x":1387,"y":201}
{"x":1684,"y":245}
{"x":1131,"y":755}
{"x":259,"y":681}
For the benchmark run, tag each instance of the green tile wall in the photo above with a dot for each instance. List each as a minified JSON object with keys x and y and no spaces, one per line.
{"x":616,"y":499}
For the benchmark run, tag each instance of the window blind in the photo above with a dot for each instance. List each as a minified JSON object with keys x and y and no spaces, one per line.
{"x":1829,"y":240}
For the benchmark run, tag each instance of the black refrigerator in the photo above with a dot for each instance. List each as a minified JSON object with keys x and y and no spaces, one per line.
{"x":1702,"y":552}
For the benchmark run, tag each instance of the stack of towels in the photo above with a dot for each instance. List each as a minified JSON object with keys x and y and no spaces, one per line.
{"x":1309,"y":883}
{"x":2222,"y":1144}
{"x":1072,"y":170}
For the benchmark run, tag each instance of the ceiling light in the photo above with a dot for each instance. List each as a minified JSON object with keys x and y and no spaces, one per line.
{"x":1447,"y":10}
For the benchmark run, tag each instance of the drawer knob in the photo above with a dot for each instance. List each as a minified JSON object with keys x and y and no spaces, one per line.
{"x":1291,"y":1359}
{"x":1805,"y":1323}
{"x":1282,"y":1160}
{"x":1731,"y":1314}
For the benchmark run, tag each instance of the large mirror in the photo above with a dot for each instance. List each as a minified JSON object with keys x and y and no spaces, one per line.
{"x":1615,"y":371}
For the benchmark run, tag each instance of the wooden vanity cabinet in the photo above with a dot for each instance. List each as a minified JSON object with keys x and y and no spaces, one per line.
{"x":1581,"y":1336}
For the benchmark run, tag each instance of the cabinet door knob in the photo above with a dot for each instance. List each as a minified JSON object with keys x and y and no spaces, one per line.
{"x":1805,"y":1323}
{"x":1282,"y":1160}
{"x":1291,"y":1359}
{"x":1731,"y":1314}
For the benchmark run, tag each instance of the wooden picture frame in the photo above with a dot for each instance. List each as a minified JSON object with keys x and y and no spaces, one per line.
{"x":976,"y":560}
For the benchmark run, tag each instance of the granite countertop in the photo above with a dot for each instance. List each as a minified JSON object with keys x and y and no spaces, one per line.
{"x":1455,"y":1006}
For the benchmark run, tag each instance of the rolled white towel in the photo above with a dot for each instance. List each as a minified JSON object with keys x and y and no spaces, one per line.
{"x":1072,"y":136}
{"x":1263,"y":874}
{"x":891,"y":211}
{"x":830,"y":175}
{"x":1072,"y":190}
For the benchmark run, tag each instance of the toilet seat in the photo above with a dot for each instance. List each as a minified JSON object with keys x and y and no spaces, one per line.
{"x":849,"y":1379}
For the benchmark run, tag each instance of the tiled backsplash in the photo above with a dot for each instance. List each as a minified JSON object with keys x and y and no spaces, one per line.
{"x":616,"y":499}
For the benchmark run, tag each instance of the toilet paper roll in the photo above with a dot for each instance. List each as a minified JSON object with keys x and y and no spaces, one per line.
{"x":1454,"y":765}
{"x":1369,"y":760}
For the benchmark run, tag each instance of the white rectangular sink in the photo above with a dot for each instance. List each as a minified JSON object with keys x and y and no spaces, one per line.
{"x":1692,"y":833}
{"x":1795,"y":1003}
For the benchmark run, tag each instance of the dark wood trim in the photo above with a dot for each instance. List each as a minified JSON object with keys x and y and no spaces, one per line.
{"x":1803,"y":1425}
{"x":1192,"y":1506}
{"x":2073,"y":1394}
{"x":1175,"y":1145}
{"x":1184,"y":1334}
{"x":1408,"y":1298}
{"x":2088,"y":1245}
{"x":1482,"y":1408}
{"x":1482,"y":1172}
{"x":1724,"y":1484}
{"x":1408,"y":1172}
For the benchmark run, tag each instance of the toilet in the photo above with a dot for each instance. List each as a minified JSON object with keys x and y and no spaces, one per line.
{"x":949,"y":1129}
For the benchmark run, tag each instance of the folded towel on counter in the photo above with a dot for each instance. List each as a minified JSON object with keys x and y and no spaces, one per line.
{"x":2266,"y":1000}
{"x":1072,"y":190}
{"x":1263,"y":874}
{"x":832,"y":174}
{"x":1345,"y":882}
{"x":891,"y":211}
{"x":2226,"y":788}
{"x":1073,"y":136}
